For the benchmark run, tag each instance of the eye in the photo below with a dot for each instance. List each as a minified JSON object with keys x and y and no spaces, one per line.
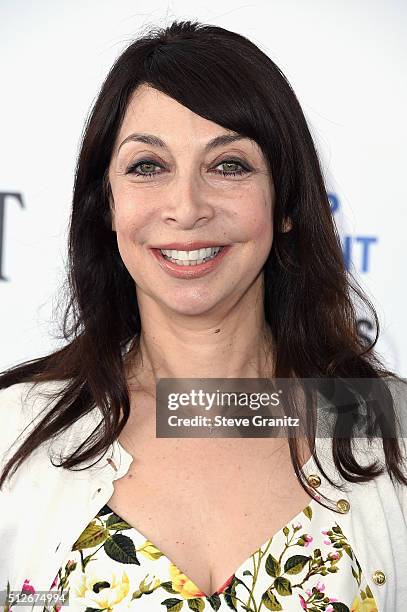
{"x":232,"y":162}
{"x":144,"y":162}
{"x":149,"y":165}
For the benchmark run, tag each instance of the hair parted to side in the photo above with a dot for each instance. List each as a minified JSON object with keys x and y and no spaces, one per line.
{"x":225,"y":78}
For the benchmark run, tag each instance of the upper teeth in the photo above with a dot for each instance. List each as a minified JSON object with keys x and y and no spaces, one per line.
{"x":191,"y":255}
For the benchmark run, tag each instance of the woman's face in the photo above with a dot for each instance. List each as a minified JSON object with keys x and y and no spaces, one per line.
{"x":187,"y":199}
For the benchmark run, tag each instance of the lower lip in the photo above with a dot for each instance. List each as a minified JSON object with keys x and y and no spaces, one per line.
{"x":190,"y":271}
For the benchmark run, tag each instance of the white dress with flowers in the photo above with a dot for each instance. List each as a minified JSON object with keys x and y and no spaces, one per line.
{"x":307,"y":565}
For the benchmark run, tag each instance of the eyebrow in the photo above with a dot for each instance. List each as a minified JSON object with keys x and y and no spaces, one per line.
{"x":155,"y":141}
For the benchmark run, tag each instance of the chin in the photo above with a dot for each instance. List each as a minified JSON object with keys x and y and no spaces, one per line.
{"x":190,"y":304}
{"x":190,"y":309}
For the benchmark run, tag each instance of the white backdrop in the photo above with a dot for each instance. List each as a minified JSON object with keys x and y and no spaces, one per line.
{"x":346,"y":60}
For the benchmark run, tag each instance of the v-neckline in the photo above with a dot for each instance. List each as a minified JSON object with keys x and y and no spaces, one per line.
{"x":312,"y":503}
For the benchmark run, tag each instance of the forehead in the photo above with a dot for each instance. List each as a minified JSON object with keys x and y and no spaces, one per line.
{"x":149,"y":107}
{"x":153,"y":112}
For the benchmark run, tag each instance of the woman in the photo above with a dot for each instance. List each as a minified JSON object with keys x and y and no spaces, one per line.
{"x":197,"y":140}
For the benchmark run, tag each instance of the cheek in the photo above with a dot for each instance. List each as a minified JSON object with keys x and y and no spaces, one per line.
{"x":256,"y":222}
{"x":131,"y":234}
{"x":131,"y":210}
{"x":132,"y":222}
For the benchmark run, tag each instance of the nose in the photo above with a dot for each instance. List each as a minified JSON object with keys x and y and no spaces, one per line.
{"x":187,"y":205}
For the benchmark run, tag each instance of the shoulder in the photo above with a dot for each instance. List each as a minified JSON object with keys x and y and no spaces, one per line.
{"x":26,"y":399}
{"x":13,"y":408}
{"x":21,"y":405}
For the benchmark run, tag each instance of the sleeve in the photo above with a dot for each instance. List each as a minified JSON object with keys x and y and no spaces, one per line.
{"x":11,"y":419}
{"x":399,"y":393}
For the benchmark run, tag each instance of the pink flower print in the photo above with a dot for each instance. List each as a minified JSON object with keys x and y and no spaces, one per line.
{"x":308,"y":592}
{"x":316,"y":496}
{"x":333,"y":599}
{"x":307,"y":539}
{"x":333,"y":555}
{"x":27,"y":588}
{"x":320,"y":586}
{"x":297,"y":525}
{"x":324,"y":531}
{"x":329,"y":608}
{"x":302,"y":602}
{"x":327,"y":542}
{"x":54,"y":582}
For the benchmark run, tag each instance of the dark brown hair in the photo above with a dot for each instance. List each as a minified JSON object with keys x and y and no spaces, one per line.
{"x":225,"y":78}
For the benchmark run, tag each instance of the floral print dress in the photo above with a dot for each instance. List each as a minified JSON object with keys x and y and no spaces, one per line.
{"x":307,"y":565}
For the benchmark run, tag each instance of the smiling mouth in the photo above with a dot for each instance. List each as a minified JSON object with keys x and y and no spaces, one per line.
{"x":190,"y":265}
{"x":191,"y":258}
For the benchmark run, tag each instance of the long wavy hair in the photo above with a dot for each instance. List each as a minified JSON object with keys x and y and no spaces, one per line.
{"x":308,"y":293}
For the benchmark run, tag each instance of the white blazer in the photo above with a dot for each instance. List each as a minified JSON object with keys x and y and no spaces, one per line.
{"x":44,"y":509}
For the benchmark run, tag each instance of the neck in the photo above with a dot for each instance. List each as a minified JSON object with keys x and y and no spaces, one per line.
{"x":235,"y":343}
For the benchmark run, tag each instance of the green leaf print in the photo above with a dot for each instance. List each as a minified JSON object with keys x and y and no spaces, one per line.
{"x":339,"y":607}
{"x":308,"y":512}
{"x":104,"y":510}
{"x":214,"y":601}
{"x":173,"y":604}
{"x":196,"y":604}
{"x":348,"y":550}
{"x":295,"y":564}
{"x":121,"y":548}
{"x":93,"y":535}
{"x":115,"y":522}
{"x":167,"y":586}
{"x":270,"y":601}
{"x":230,"y":596}
{"x":356,"y":576}
{"x":283,"y":586}
{"x":272,"y":566}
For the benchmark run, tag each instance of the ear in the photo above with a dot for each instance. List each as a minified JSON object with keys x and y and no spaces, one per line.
{"x":287,"y":225}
